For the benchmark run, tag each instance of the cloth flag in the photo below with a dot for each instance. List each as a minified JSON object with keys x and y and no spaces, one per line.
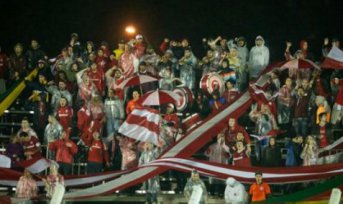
{"x":334,"y":60}
{"x":36,"y":165}
{"x":142,"y":124}
{"x":5,"y":161}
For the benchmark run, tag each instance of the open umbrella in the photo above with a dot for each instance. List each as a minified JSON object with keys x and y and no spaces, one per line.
{"x":299,"y":64}
{"x":137,"y":80}
{"x":158,"y":97}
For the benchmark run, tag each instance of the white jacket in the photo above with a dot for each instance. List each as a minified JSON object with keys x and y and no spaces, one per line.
{"x":235,"y":192}
{"x":258,"y":59}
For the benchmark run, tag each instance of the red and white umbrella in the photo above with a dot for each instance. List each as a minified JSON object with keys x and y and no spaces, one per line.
{"x":158,"y":97}
{"x":299,"y":64}
{"x":136,"y":80}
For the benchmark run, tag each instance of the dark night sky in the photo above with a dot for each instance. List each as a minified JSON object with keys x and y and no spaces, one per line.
{"x":51,"y":22}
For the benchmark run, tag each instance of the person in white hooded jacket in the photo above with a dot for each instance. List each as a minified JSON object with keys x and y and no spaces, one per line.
{"x":258,"y":58}
{"x":235,"y":192}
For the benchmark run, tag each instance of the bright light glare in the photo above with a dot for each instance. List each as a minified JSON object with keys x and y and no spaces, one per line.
{"x":130,"y":29}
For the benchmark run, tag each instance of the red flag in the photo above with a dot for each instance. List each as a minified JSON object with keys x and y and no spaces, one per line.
{"x":334,"y":60}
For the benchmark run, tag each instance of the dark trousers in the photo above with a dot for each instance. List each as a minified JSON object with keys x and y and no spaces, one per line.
{"x":94,"y":167}
{"x":65,"y":169}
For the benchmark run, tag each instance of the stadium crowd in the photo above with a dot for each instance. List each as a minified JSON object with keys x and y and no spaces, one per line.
{"x":78,"y":94}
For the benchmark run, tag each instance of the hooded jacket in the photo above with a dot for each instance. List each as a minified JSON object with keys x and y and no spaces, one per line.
{"x":235,"y":192}
{"x":258,"y":59}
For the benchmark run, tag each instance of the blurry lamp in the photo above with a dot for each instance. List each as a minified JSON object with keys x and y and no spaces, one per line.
{"x":130,"y":30}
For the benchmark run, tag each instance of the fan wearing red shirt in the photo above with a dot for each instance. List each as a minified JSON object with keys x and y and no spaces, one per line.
{"x":171,"y":117}
{"x":259,"y":191}
{"x":64,"y":113}
{"x":97,"y":154}
{"x":233,"y":129}
{"x":97,"y":76}
{"x":31,"y":145}
{"x":241,"y":156}
{"x":65,"y":150}
{"x":133,"y":102}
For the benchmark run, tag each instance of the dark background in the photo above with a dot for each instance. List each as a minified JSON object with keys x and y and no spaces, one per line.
{"x":51,"y":22}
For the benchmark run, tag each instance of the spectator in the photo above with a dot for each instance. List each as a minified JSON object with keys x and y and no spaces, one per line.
{"x":152,"y":185}
{"x":86,"y":86}
{"x":52,"y":132}
{"x":17,"y":63}
{"x":259,"y":191}
{"x":218,"y":153}
{"x":323,"y":131}
{"x":14,"y":150}
{"x":200,"y":104}
{"x":171,"y":116}
{"x":235,"y":192}
{"x":187,"y":69}
{"x":65,"y":150}
{"x":231,"y":93}
{"x":195,"y":189}
{"x":241,"y":156}
{"x":75,"y":45}
{"x":120,"y":50}
{"x":227,"y":72}
{"x":52,"y":180}
{"x":97,"y":77}
{"x":31,"y":146}
{"x":128,"y":62}
{"x":271,"y":154}
{"x":97,"y":154}
{"x":26,"y":186}
{"x":284,"y":103}
{"x":64,"y":114}
{"x":114,"y":110}
{"x":301,"y":104}
{"x":310,"y":152}
{"x":322,"y":107}
{"x":294,"y":148}
{"x":113,"y":82}
{"x":25,"y":127}
{"x":216,"y":102}
{"x":133,"y":102}
{"x":243,"y":55}
{"x":258,"y":58}
{"x":34,"y":54}
{"x":128,"y":150}
{"x":232,"y":131}
{"x":57,"y":93}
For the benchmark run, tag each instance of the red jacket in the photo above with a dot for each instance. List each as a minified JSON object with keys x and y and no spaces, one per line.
{"x":84,"y":118}
{"x":231,"y":133}
{"x":64,"y":153}
{"x":64,"y":115}
{"x":98,"y":152}
{"x":172,"y":118}
{"x":98,"y":79}
{"x":32,"y":146}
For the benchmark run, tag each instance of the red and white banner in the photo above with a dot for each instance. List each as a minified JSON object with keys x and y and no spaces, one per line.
{"x":142,"y":124}
{"x":35,"y":165}
{"x":334,"y":60}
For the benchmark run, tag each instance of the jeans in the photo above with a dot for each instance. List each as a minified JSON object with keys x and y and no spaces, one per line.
{"x":301,"y":126}
{"x":112,"y":125}
{"x":94,"y":167}
{"x":66,"y":169}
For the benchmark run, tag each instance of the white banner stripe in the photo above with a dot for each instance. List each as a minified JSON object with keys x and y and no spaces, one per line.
{"x":238,"y":173}
{"x":336,"y":54}
{"x":138,"y":132}
{"x":150,"y":116}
